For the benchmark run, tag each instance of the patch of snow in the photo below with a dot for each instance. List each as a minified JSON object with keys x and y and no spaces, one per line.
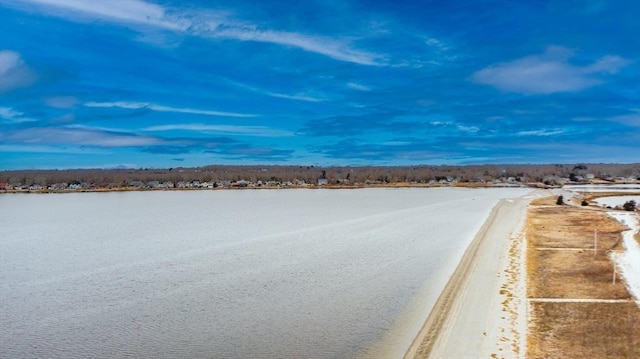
{"x":629,"y":260}
{"x":602,"y":188}
{"x":616,"y":200}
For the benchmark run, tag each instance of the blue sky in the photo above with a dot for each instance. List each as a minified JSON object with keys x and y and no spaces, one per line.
{"x":168,"y":83}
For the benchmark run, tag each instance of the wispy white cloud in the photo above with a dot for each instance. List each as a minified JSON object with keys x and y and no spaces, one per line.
{"x":471,"y":129}
{"x":14,"y":72}
{"x":433,"y":42}
{"x":9,"y":115}
{"x":450,"y":124}
{"x":51,"y":149}
{"x":76,"y":137}
{"x":86,"y":137}
{"x":258,"y":131}
{"x":297,"y":96}
{"x":130,"y":11}
{"x":542,"y":132}
{"x":441,"y":123}
{"x":357,"y":86}
{"x":161,"y":108}
{"x":548,"y":73}
{"x":207,"y":24}
{"x":334,"y":48}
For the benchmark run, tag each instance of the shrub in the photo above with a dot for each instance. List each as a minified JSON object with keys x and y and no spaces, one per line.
{"x":560,"y":201}
{"x":629,"y":205}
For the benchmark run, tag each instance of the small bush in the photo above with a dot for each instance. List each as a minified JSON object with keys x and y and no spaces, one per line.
{"x":584,"y":203}
{"x":629,"y":205}
{"x":560,"y":201}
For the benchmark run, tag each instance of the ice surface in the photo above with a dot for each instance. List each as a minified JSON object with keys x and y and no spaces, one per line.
{"x":226,"y":274}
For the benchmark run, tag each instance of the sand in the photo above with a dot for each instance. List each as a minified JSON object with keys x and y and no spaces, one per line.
{"x":482,"y":311}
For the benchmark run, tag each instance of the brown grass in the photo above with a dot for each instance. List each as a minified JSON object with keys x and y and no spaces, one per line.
{"x":584,"y":330}
{"x":573,"y":274}
{"x":545,"y":201}
{"x":571,"y":227}
{"x":576,"y":330}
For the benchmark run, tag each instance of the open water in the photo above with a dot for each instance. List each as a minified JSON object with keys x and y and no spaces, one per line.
{"x":227,"y":274}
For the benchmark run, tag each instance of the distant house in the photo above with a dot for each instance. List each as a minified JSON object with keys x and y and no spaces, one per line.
{"x":323,"y":181}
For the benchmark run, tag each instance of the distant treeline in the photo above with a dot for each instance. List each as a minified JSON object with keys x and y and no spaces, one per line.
{"x":312,"y":175}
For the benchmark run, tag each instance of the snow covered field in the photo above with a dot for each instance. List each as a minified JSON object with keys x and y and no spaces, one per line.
{"x":229,"y":274}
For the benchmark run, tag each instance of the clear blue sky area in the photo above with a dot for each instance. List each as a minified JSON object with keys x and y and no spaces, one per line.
{"x":168,"y":83}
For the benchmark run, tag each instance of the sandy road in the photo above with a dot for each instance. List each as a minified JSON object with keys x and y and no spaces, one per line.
{"x":481,"y":312}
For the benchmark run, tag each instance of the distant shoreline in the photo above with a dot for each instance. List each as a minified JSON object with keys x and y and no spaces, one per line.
{"x":280,"y":177}
{"x":310,"y":187}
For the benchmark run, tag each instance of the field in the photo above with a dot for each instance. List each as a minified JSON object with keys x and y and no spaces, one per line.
{"x":575,"y":309}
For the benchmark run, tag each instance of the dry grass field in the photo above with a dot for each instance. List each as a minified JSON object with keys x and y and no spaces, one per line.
{"x":584,"y":330}
{"x":575,"y":309}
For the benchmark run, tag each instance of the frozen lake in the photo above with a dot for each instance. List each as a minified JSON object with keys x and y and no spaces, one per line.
{"x":228,"y":274}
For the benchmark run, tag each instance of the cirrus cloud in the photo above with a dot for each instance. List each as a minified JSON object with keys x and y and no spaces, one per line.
{"x":548,"y":73}
{"x":161,"y":108}
{"x":207,"y":24}
{"x":258,"y":131}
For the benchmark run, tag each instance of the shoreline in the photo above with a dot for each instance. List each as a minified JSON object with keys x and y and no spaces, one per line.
{"x":455,"y":308}
{"x":268,"y":188}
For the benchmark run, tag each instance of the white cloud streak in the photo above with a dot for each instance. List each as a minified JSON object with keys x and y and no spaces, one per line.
{"x":335,"y":49}
{"x":14,"y":73}
{"x":207,"y":24}
{"x":258,"y":131}
{"x":51,"y":149}
{"x":9,"y":115}
{"x":542,"y":132}
{"x":161,"y":108}
{"x":359,"y":87}
{"x":297,"y":97}
{"x":548,"y":73}
{"x":131,"y":11}
{"x":76,"y":137}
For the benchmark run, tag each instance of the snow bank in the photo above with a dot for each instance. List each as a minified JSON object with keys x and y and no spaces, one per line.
{"x":629,"y":260}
